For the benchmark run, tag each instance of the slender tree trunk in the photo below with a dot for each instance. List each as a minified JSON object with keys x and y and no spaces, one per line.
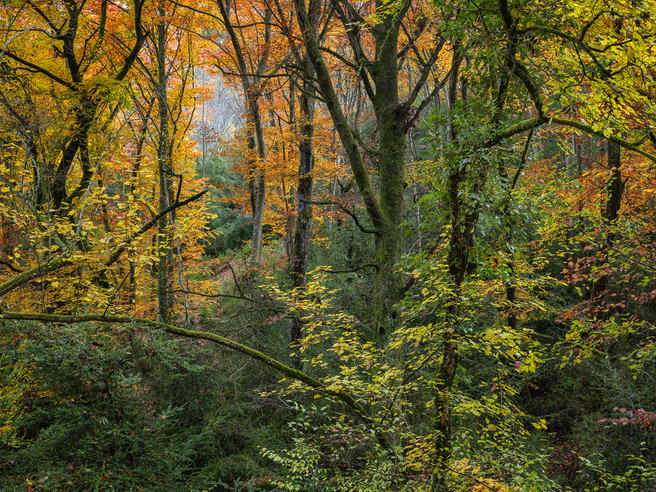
{"x":256,"y":177}
{"x":164,"y":300}
{"x":509,"y":232}
{"x":511,"y":287}
{"x":457,"y":259}
{"x":251,"y":78}
{"x":303,"y":230}
{"x":141,"y":140}
{"x":415,"y":188}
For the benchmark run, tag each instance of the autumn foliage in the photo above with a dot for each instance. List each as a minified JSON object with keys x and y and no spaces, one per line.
{"x":433,"y":219}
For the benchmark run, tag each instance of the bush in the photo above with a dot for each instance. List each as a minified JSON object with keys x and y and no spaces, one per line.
{"x":101,"y":408}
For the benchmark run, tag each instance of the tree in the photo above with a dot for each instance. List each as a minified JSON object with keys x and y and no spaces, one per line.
{"x":251,"y":71}
{"x":386,"y":27}
{"x":80,"y":73}
{"x":437,"y":399}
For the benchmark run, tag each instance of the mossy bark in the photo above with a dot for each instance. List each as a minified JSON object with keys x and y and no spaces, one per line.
{"x":391,"y":122}
{"x":610,"y":214}
{"x":385,"y":209}
{"x":303,"y":229}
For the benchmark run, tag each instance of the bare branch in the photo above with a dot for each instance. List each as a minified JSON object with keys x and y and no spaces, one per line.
{"x":346,"y":210}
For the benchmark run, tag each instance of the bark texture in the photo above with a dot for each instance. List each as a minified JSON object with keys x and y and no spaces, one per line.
{"x":379,"y":77}
{"x":164,"y":260}
{"x":303,"y":228}
{"x":610,"y":214}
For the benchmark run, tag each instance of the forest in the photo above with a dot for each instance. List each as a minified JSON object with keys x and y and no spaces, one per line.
{"x":327,"y":245}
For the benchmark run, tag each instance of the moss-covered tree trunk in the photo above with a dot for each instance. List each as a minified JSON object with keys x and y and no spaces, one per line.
{"x":303,"y":229}
{"x":609,"y":215}
{"x":391,"y":122}
{"x":380,"y":78}
{"x":463,"y":217}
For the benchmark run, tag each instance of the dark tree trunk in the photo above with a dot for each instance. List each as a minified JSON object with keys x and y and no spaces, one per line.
{"x":610,"y":214}
{"x":164,"y":300}
{"x":303,"y":230}
{"x":381,"y":84}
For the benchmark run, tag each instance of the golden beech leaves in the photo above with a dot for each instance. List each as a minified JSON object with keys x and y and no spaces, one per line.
{"x":81,"y":167}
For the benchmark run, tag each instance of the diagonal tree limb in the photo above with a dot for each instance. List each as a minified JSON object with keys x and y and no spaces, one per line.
{"x":10,"y":266}
{"x":41,"y":70}
{"x":57,"y":263}
{"x":538,"y":121}
{"x":342,"y":395}
{"x":324,"y":80}
{"x":28,"y":275}
{"x":116,"y":254}
{"x":346,"y":210}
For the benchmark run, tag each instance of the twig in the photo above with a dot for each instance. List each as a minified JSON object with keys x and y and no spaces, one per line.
{"x":229,"y":296}
{"x":10,"y":266}
{"x":349,"y":212}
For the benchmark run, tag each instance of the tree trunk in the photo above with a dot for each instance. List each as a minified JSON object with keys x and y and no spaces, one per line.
{"x":463,"y":223}
{"x":391,"y":122}
{"x":303,"y":229}
{"x":378,"y":72}
{"x":164,"y":300}
{"x":610,"y":213}
{"x":386,"y":211}
{"x":138,"y":157}
{"x":256,"y":177}
{"x":251,"y":77}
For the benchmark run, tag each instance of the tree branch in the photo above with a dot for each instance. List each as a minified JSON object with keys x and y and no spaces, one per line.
{"x":343,"y":395}
{"x":531,"y":123}
{"x":350,"y":270}
{"x":140,"y":37}
{"x":31,"y":274}
{"x":625,"y":144}
{"x":57,"y":263}
{"x":40,"y":70}
{"x":346,"y":210}
{"x":373,"y":207}
{"x":115,"y":256}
